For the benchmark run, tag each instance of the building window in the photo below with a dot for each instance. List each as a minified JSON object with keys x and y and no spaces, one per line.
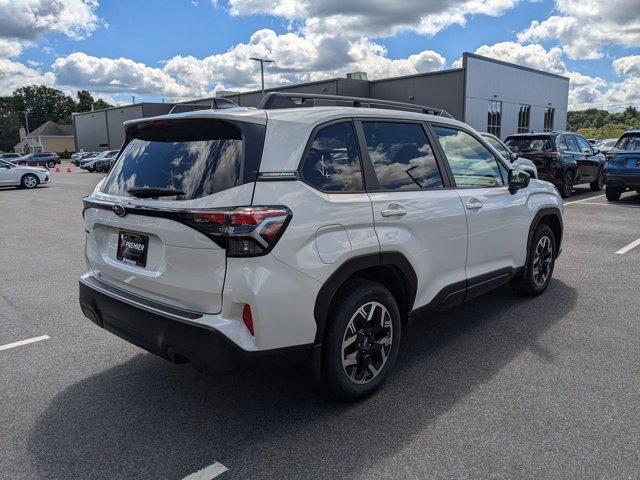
{"x":548,"y":118}
{"x":523,"y":118}
{"x":494,"y":118}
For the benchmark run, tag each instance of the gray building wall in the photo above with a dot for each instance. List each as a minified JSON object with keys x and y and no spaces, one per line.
{"x":488,"y":79}
{"x":90,"y":131}
{"x":438,"y":89}
{"x":103,"y":129}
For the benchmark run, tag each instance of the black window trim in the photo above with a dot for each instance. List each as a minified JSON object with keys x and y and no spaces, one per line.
{"x":445,"y":173}
{"x":307,"y":147}
{"x":498,"y":159}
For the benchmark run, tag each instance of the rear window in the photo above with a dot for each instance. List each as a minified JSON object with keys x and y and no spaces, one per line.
{"x":195,"y":157}
{"x":529,"y":143}
{"x":629,"y":142}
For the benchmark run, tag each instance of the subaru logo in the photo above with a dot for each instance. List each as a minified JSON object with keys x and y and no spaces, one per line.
{"x":119,"y":210}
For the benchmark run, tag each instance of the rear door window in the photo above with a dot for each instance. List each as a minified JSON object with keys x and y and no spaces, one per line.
{"x":194,"y":157}
{"x":572,"y":145}
{"x":332,"y":163}
{"x":401,"y":155}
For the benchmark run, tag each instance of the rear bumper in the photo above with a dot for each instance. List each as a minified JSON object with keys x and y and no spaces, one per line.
{"x":168,"y":332}
{"x":622,"y":181}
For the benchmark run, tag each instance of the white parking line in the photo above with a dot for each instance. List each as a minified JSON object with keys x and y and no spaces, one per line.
{"x":24,"y":342}
{"x":631,"y":246}
{"x":584,"y":199}
{"x":212,"y":471}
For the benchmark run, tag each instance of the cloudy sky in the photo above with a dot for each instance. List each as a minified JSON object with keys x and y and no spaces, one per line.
{"x":178,"y":49}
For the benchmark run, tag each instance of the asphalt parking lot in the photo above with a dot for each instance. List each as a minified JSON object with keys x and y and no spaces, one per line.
{"x":503,"y":387}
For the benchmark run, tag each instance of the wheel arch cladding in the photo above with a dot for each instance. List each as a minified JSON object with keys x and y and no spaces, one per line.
{"x":551,"y":217}
{"x":391,"y":269}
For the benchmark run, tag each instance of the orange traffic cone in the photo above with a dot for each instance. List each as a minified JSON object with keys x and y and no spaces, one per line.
{"x":69,"y":169}
{"x":57,"y":169}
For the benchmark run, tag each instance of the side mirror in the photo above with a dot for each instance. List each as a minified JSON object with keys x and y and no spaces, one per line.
{"x":596,"y":151}
{"x":517,"y":180}
{"x":513,"y":156}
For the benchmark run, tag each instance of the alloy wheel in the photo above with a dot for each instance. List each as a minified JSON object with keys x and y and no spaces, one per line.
{"x":542,"y":259}
{"x":30,"y":182}
{"x":367,"y":342}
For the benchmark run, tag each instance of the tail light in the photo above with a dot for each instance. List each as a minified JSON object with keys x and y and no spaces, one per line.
{"x":247,"y":318}
{"x":243,"y":231}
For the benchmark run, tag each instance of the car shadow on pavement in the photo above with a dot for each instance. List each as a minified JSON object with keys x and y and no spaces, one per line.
{"x":147,"y":418}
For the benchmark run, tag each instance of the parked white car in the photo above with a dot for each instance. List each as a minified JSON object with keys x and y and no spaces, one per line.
{"x":307,"y":233}
{"x":21,"y":175}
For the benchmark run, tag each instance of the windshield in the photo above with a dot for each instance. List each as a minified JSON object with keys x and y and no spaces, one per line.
{"x":196,"y":157}
{"x":528,"y":144}
{"x":629,"y":142}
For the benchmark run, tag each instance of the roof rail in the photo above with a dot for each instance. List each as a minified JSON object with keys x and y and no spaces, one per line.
{"x":294,"y":100}
{"x":216,"y":104}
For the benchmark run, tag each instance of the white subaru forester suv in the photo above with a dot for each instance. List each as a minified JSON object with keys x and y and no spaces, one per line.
{"x":302,"y":233}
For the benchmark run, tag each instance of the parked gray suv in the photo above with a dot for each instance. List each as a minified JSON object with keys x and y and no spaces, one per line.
{"x":40,"y":159}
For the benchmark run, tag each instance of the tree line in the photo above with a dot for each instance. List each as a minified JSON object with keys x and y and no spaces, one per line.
{"x":41,"y":104}
{"x":594,"y":123}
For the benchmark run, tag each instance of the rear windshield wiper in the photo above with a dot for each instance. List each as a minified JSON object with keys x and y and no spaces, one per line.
{"x":152,"y":192}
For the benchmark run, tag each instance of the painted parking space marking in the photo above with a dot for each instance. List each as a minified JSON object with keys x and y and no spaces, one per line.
{"x":24,"y":342}
{"x":208,"y":473}
{"x":584,"y":199}
{"x":626,"y":248}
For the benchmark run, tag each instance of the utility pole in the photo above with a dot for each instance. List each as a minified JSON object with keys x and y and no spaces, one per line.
{"x":26,"y":119}
{"x":262,"y":62}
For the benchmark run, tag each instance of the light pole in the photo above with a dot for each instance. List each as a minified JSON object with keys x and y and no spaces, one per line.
{"x":262,"y":62}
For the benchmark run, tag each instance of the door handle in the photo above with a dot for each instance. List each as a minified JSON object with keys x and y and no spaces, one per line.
{"x":474,"y":204}
{"x":394,"y":210}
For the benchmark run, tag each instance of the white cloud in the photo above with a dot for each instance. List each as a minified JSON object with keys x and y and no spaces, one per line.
{"x":110,"y":75}
{"x":14,"y":75}
{"x":29,"y":19}
{"x":627,"y":65}
{"x":9,"y":48}
{"x":373,"y":18}
{"x":584,"y":27}
{"x":532,"y":55}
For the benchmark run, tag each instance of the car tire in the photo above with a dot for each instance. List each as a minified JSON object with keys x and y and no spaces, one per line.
{"x":29,"y":181}
{"x":613,"y":194}
{"x":51,"y":164}
{"x":599,"y":182}
{"x":361,"y":339}
{"x":567,"y":184}
{"x":541,"y":259}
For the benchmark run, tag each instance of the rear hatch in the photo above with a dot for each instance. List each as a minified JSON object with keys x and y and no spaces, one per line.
{"x":537,"y":148}
{"x":152,"y":225}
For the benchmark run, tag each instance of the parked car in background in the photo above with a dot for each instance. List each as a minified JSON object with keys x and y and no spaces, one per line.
{"x":592,"y":141}
{"x":12,"y":175}
{"x":89,"y":164}
{"x":40,"y":159}
{"x":203,"y":246}
{"x":518,"y":162}
{"x":565,"y":159}
{"x":104,"y":164}
{"x":12,"y":157}
{"x":605,"y":145}
{"x":622,"y":169}
{"x":79,"y":157}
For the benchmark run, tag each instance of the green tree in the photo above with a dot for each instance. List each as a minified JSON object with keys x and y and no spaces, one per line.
{"x":9,"y":125}
{"x":86,"y":102}
{"x":43,"y":103}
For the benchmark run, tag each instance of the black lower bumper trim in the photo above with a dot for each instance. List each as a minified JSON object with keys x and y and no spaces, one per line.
{"x":179,"y":342}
